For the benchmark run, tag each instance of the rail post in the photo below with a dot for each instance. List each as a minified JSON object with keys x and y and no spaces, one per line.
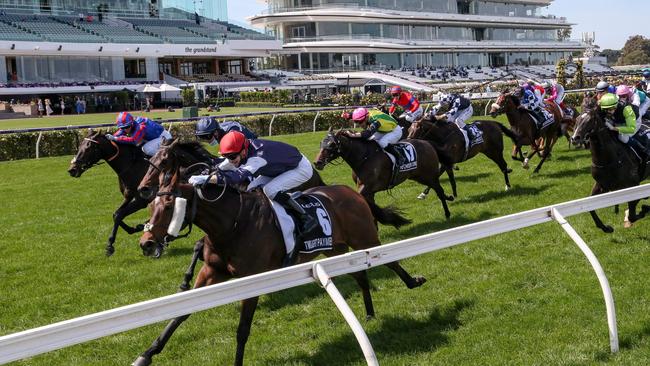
{"x":38,"y":144}
{"x":314,"y":123}
{"x":271,"y":125}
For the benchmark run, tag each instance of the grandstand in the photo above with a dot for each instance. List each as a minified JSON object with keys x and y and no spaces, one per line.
{"x":71,"y":45}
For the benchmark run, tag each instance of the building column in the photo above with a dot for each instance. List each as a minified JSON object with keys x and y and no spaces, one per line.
{"x":151,"y":67}
{"x":3,"y":69}
{"x":118,"y":68}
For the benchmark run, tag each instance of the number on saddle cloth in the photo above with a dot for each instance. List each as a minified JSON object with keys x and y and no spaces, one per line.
{"x":320,"y":238}
{"x":409,"y":156}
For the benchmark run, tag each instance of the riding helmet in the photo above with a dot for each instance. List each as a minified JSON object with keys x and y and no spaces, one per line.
{"x":124,"y":120}
{"x":608,"y":101}
{"x":206,"y":127}
{"x":602,"y":86}
{"x":233,"y":142}
{"x":395,"y":90}
{"x":359,"y":114}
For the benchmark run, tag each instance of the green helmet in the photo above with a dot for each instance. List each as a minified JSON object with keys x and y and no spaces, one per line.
{"x":608,"y":101}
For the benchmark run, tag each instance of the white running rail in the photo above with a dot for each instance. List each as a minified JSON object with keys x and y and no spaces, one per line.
{"x":66,"y":333}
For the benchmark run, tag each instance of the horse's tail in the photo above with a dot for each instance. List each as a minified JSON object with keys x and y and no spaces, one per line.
{"x":508,"y":132}
{"x":388,"y":215}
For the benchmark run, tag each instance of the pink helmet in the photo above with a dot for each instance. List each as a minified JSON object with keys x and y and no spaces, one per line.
{"x":359,"y":114}
{"x":623,"y":90}
{"x":395,"y":89}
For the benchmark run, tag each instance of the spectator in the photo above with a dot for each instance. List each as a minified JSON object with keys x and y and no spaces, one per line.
{"x":62,"y":103}
{"x":77,"y":104}
{"x":81,"y":17}
{"x":48,"y":107}
{"x":83,"y":106}
{"x":40,"y":107}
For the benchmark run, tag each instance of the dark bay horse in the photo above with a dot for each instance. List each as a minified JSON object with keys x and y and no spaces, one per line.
{"x":450,"y":143}
{"x":374,"y":170}
{"x":525,"y":128}
{"x":128,"y":162}
{"x":613,"y":165}
{"x":245,"y":240}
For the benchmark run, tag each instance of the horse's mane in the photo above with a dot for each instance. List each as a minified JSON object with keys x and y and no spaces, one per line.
{"x":196,"y":150}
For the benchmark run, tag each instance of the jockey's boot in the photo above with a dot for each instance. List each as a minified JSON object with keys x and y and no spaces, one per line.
{"x":399,"y":161}
{"x":541,"y":118}
{"x":307,"y":222}
{"x":639,"y":147}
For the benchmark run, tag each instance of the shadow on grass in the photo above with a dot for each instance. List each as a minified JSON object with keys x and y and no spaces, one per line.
{"x":396,"y":335}
{"x":569,"y":173}
{"x":515,"y":191}
{"x":474,"y":178}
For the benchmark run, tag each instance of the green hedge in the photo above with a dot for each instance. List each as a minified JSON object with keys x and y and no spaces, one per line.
{"x":57,"y":143}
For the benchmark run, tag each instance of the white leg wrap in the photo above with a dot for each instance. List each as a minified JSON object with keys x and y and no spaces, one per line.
{"x":179,"y":215}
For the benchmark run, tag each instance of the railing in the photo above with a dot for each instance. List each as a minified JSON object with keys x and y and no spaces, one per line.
{"x":70,"y":332}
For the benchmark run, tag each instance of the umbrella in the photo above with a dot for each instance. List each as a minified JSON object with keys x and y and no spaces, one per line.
{"x":164,"y":88}
{"x":149,"y":89}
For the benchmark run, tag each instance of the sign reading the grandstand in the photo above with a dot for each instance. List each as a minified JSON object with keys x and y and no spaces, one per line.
{"x":195,"y":50}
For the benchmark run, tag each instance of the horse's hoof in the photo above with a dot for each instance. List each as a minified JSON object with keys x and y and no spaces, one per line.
{"x":139,"y":228}
{"x":417,"y":282}
{"x":508,"y":170}
{"x":627,"y":224}
{"x":422,"y":196}
{"x":183,"y":287}
{"x":507,"y":188}
{"x":142,"y":361}
{"x":608,"y":229}
{"x":370,"y":316}
{"x":450,"y":198}
{"x":110,"y":251}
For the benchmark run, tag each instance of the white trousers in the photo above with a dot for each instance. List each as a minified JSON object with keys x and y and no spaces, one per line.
{"x":462,"y":116}
{"x":285,"y":181}
{"x":413,"y":116}
{"x":150,"y":147}
{"x":386,"y":138}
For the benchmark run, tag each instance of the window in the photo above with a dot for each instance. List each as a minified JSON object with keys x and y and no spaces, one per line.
{"x":234,"y":67}
{"x":186,"y":69}
{"x":135,"y":69}
{"x":298,"y":32}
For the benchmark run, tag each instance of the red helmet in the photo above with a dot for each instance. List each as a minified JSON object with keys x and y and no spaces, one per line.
{"x":233,"y":142}
{"x":395,"y":90}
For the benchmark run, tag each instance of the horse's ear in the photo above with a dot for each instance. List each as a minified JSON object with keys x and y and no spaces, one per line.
{"x":330,"y":129}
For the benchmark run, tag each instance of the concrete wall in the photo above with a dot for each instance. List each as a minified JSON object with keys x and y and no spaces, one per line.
{"x":3,"y":69}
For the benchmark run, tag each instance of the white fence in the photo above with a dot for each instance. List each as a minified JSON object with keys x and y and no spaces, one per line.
{"x":59,"y":335}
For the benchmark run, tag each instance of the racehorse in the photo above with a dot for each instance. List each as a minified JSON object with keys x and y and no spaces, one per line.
{"x":244,"y":238}
{"x":450,"y":144}
{"x":374,"y":170}
{"x":525,"y":128}
{"x":192,"y":156}
{"x":128,"y":162}
{"x":613,"y":165}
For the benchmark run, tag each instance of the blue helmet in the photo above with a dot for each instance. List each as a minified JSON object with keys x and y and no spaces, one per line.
{"x":124,"y":120}
{"x":206,"y":127}
{"x":611,"y":89}
{"x":646,"y":74}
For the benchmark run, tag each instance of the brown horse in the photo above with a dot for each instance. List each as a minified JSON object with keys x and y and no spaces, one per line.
{"x":374,"y":170}
{"x":450,"y":143}
{"x":244,"y":238}
{"x":525,"y":128}
{"x":128,"y":162}
{"x":613,"y":165}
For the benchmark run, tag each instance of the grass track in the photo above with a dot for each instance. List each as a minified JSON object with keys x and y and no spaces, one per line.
{"x":523,"y":298}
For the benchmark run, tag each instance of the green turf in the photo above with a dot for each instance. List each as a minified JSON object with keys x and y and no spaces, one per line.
{"x":100,"y":118}
{"x":523,"y":298}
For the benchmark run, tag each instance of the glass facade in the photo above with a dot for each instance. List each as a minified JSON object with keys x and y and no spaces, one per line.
{"x":126,"y":8}
{"x":36,"y":69}
{"x":213,"y":9}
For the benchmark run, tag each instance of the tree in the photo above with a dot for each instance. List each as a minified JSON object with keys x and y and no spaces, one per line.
{"x":636,"y":51}
{"x":611,"y":55}
{"x":560,"y":70}
{"x":563,"y":34}
{"x":188,"y":97}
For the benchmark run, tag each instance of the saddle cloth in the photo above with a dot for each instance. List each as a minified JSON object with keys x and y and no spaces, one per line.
{"x":474,"y":134}
{"x":548,"y":119}
{"x":409,"y":155}
{"x":316,"y":240}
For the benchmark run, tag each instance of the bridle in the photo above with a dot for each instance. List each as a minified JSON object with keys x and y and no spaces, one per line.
{"x":85,"y":166}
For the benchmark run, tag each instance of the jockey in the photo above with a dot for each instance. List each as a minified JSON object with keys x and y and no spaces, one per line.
{"x":460,"y":109}
{"x":209,"y":130}
{"x":620,"y":117}
{"x":531,"y":102}
{"x":629,"y":96}
{"x":379,"y":127}
{"x":275,"y":166}
{"x":602,"y":88}
{"x":409,"y":103}
{"x":139,"y":131}
{"x":555,"y":94}
{"x":646,"y":79}
{"x":640,"y":98}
